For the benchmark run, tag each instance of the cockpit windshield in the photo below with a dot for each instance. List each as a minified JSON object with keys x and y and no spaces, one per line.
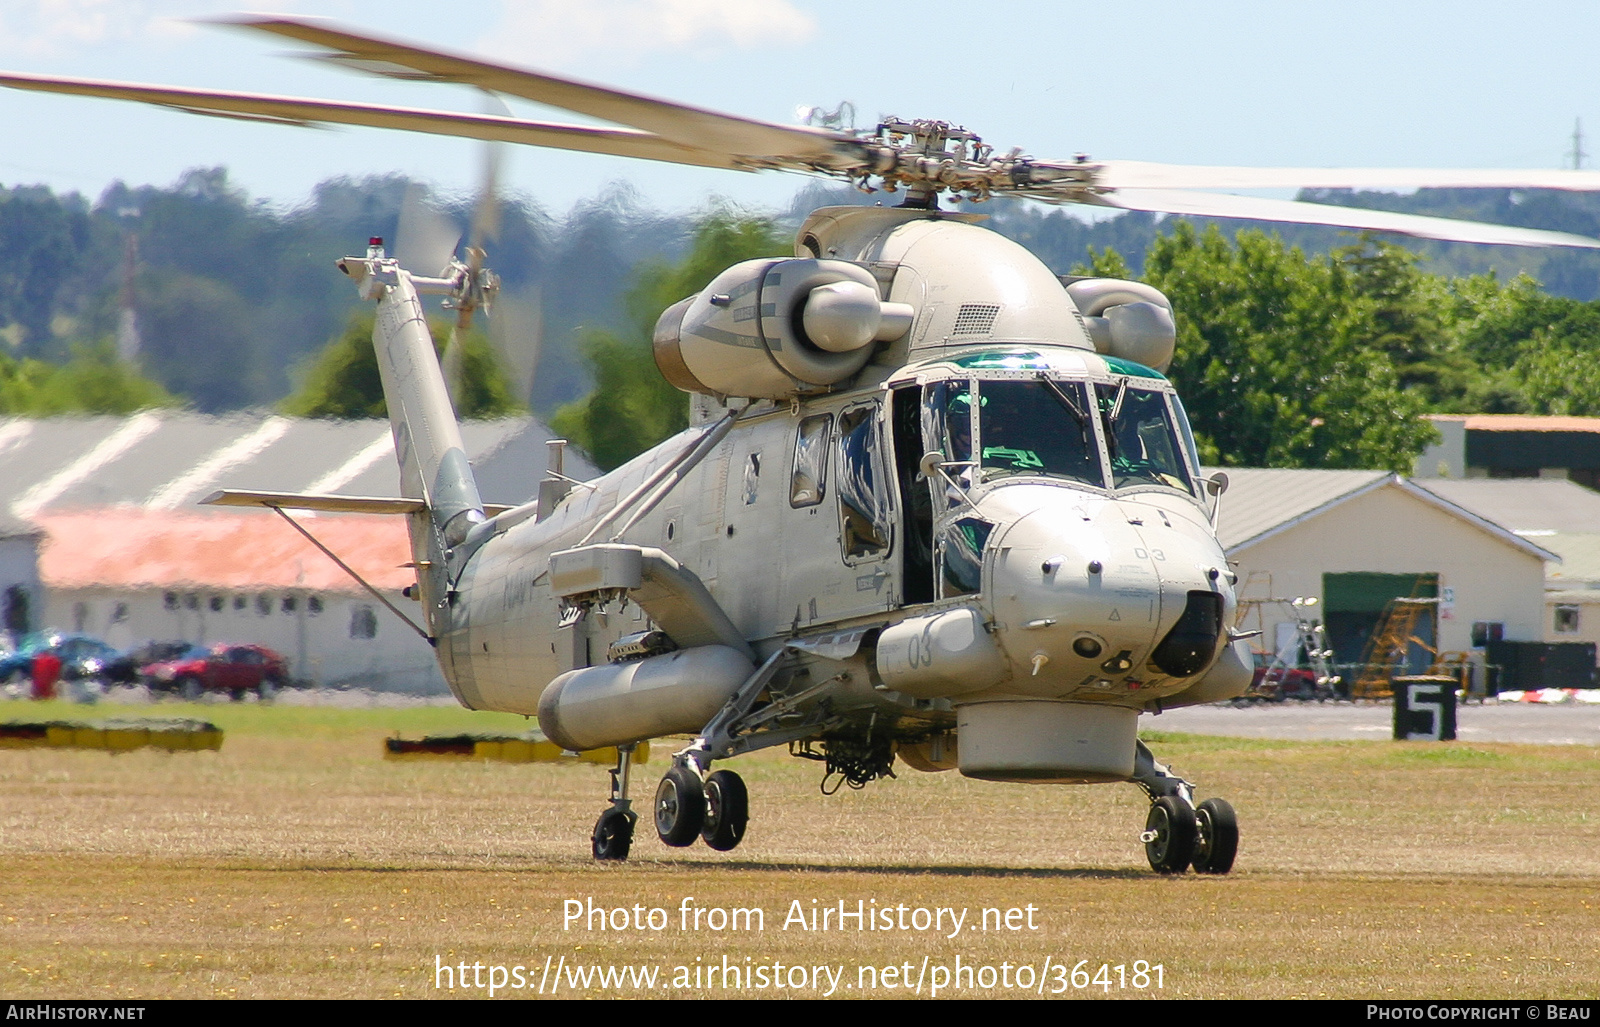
{"x":1142,"y":438}
{"x":1058,"y":427}
{"x":1037,"y":427}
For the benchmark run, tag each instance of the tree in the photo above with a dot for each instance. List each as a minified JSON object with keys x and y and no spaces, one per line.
{"x":632,"y":407}
{"x":94,"y":381}
{"x":343,"y":380}
{"x":1281,"y":358}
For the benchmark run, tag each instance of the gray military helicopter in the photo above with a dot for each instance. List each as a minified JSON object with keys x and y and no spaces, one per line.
{"x":936,"y":504}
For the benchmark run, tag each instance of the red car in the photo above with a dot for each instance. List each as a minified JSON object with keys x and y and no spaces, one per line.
{"x":235,"y":669}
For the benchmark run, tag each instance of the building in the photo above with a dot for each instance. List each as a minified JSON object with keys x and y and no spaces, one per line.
{"x":1559,"y":516}
{"x":1513,"y":446}
{"x":1353,"y":540}
{"x":106,"y":536}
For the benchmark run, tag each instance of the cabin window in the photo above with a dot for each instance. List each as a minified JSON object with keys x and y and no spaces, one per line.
{"x":1037,"y":427}
{"x":808,"y":482}
{"x":1567,"y":618}
{"x":1142,"y":437}
{"x":863,"y":503}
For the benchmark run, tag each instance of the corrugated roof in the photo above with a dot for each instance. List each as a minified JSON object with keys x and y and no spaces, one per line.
{"x":1523,"y":505}
{"x":1262,"y":501}
{"x":170,"y":460}
{"x":1580,"y":558}
{"x":133,"y":548}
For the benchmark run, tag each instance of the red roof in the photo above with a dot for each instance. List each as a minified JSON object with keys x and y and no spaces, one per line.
{"x":1521,"y":422}
{"x":132,"y":548}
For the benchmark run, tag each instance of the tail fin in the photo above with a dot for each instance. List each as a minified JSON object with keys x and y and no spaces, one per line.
{"x":427,"y":440}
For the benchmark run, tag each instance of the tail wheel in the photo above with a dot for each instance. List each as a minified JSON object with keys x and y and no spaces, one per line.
{"x":613,"y":834}
{"x":1218,"y":840}
{"x":727,"y":810}
{"x":1170,"y":833}
{"x":680,"y":808}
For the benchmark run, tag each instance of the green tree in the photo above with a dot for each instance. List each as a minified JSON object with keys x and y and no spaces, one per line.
{"x":94,"y":381}
{"x":632,"y":407}
{"x":343,"y":380}
{"x":1281,"y":359}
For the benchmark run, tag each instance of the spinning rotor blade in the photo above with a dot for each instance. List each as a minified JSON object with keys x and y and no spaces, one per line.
{"x":1129,"y":174}
{"x":290,"y":110}
{"x":753,"y":143}
{"x":425,"y":240}
{"x":1222,"y":205}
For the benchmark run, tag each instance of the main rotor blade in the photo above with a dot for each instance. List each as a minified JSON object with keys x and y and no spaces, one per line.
{"x":290,"y":110}
{"x":1129,"y":174}
{"x":1222,"y":205}
{"x":759,"y":142}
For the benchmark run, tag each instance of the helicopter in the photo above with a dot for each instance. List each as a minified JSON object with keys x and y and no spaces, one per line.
{"x":936,"y":505}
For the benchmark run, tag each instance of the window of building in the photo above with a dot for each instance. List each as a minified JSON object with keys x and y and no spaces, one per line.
{"x":363,"y":622}
{"x":1567,"y":618}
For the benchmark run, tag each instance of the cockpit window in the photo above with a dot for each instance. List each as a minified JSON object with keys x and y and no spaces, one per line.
{"x":1037,"y":427}
{"x":1142,"y":437}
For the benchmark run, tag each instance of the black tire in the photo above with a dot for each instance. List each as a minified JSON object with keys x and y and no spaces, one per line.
{"x":613,"y":834}
{"x":1172,"y":822}
{"x":727,"y":810}
{"x":190,"y":689}
{"x":1218,"y":840}
{"x":680,"y":807}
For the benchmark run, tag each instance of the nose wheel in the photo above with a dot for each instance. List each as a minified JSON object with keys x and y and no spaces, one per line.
{"x":1177,"y":833}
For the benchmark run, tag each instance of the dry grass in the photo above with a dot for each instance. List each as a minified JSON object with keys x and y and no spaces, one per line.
{"x":297,"y":863}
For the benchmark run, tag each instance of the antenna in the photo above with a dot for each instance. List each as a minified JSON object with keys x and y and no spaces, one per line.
{"x":1576,"y":154}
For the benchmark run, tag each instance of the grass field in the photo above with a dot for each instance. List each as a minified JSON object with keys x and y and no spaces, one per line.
{"x":296,"y":862}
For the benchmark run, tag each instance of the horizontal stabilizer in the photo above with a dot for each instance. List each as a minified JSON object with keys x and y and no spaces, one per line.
{"x":327,"y":503}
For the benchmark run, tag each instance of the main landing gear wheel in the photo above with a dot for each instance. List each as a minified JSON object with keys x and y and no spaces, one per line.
{"x":680,"y":807}
{"x":1170,"y":832}
{"x":613,"y":834}
{"x":727,"y":810}
{"x":1218,"y":840}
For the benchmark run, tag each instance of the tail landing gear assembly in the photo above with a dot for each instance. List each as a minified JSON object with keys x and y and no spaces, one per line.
{"x":1177,"y":834}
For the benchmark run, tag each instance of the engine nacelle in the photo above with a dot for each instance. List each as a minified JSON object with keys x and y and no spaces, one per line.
{"x":774,"y":328}
{"x":1130,"y":320}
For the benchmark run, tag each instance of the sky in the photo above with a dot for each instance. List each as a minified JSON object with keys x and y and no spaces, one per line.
{"x":1359,"y":83}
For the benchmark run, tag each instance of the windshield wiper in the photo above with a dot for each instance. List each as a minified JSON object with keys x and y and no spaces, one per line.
{"x":1070,"y":405}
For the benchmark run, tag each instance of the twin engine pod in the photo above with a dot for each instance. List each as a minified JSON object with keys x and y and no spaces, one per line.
{"x":618,"y":703}
{"x":774,"y":328}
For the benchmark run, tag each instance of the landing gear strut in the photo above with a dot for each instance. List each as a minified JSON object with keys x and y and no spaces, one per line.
{"x":1176,"y":833}
{"x":613,"y":832}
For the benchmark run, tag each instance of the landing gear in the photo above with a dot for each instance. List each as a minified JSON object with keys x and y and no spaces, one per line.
{"x":727,"y":810}
{"x":1218,"y":840}
{"x":1169,"y":834}
{"x":680,"y":808}
{"x":1177,"y":833}
{"x":613,"y":832}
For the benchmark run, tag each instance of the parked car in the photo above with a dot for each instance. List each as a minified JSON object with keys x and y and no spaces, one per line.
{"x":82,"y":657}
{"x":124,"y":668}
{"x":235,"y":669}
